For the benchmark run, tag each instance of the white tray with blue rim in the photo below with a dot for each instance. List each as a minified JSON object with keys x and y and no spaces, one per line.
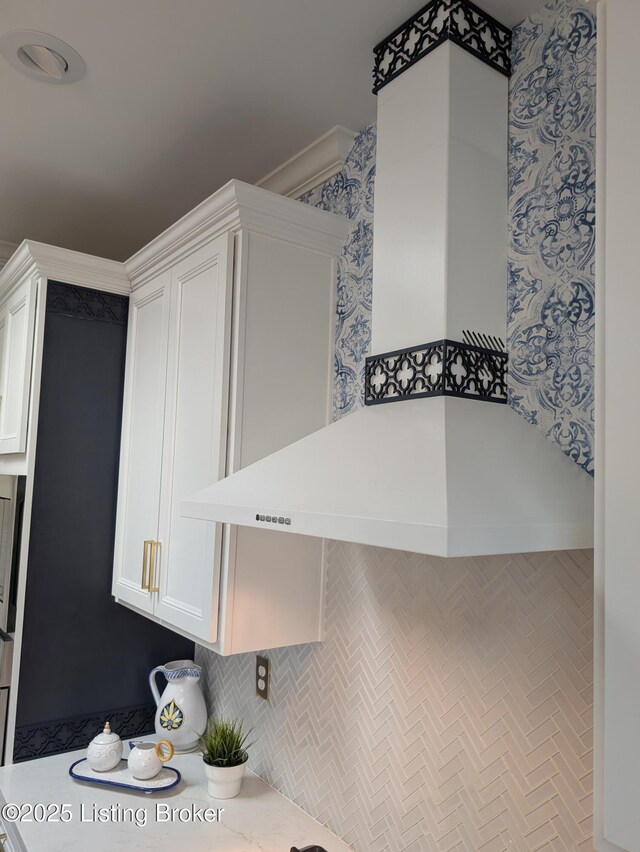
{"x":121,"y":777}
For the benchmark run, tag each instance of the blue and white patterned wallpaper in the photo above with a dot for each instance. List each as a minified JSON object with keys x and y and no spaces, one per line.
{"x":552,"y":233}
{"x":350,"y":193}
{"x":552,"y":186}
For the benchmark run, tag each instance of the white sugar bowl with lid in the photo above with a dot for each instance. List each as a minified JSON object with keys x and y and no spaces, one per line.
{"x":105,"y":750}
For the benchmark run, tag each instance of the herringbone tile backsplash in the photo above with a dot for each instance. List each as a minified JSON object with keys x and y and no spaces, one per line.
{"x":450,"y":707}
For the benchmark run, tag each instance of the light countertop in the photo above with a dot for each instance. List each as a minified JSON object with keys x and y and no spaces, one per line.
{"x":258,"y":820}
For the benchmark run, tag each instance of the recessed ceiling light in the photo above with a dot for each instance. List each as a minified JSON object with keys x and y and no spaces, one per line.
{"x":42,"y":56}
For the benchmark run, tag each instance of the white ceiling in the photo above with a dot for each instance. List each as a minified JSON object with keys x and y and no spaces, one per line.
{"x":179,"y":97}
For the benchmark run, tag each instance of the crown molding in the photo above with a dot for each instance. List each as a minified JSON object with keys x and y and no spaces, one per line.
{"x":236,"y":206}
{"x":21,"y":265}
{"x":312,"y":166}
{"x":69,"y":267}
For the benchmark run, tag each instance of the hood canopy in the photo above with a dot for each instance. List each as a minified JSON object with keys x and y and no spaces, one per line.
{"x":426,"y":476}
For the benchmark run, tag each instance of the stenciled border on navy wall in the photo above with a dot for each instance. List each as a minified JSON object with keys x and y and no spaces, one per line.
{"x":41,"y":740}
{"x":458,"y":21}
{"x":441,"y":368}
{"x":87,"y":303}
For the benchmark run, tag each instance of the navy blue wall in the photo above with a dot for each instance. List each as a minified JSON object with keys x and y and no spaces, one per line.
{"x":84,"y":657}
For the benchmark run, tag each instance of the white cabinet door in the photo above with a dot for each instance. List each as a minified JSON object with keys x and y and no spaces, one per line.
{"x":16,"y":341}
{"x":188,"y":558}
{"x":142,"y":436}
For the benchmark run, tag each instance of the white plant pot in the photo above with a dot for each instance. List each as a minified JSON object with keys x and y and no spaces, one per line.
{"x":224,"y":782}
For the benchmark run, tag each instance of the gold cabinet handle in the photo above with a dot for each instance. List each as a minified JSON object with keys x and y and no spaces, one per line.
{"x":146,"y":550}
{"x":155,"y":546}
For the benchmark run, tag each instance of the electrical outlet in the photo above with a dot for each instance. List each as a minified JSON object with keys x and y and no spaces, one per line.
{"x":263,"y":677}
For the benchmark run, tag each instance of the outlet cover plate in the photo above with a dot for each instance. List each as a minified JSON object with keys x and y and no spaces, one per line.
{"x":263,"y":677}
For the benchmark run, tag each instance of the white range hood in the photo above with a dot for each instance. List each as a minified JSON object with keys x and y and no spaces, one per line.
{"x":444,"y":475}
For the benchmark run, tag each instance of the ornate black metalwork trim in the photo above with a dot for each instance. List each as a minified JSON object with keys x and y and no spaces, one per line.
{"x":442,"y":368}
{"x":459,"y":21}
{"x":86,"y":303}
{"x":33,"y":741}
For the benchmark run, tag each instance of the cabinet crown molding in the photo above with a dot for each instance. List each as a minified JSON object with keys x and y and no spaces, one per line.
{"x":235,"y":206}
{"x":58,"y":264}
{"x":238,"y":205}
{"x":312,"y":166}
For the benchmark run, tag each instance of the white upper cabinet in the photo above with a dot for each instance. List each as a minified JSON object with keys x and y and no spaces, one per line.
{"x":23,"y":304}
{"x":229,"y":358}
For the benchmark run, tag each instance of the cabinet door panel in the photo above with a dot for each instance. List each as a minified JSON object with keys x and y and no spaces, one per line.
{"x":19,"y":317}
{"x":195,"y":437}
{"x":142,"y":435}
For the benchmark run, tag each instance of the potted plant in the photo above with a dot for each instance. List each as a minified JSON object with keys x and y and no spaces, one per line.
{"x":224,"y":753}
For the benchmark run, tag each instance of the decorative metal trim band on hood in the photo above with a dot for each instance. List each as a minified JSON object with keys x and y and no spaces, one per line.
{"x":441,"y":368}
{"x":459,"y":21}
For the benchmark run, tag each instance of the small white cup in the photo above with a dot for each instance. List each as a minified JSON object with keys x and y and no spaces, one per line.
{"x":146,"y":759}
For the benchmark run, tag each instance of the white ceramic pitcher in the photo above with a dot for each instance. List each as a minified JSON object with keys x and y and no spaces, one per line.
{"x":182,"y":714}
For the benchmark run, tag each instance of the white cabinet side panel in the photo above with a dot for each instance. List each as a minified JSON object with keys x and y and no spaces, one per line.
{"x":273,"y":586}
{"x":278,"y":592}
{"x":620,"y":502}
{"x":288,"y":335}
